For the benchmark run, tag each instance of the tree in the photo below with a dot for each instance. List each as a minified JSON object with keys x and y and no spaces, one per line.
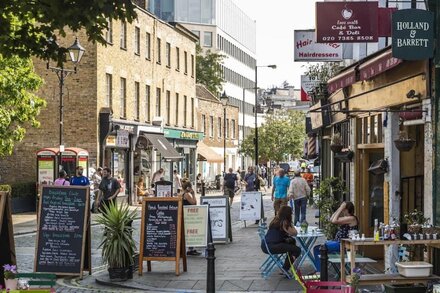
{"x":18,"y":104}
{"x":209,"y":71}
{"x":30,"y":28}
{"x":323,"y":71}
{"x":282,"y":134}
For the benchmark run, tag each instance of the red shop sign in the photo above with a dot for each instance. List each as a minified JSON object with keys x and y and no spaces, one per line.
{"x":346,"y":22}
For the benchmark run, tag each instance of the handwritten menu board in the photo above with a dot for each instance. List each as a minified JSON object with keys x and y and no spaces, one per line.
{"x":62,"y":226}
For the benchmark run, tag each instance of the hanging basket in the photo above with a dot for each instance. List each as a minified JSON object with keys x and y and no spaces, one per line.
{"x":336,"y":148}
{"x":345,"y":156}
{"x":404,"y":145}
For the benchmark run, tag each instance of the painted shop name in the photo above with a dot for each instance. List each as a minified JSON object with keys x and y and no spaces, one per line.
{"x":412,"y":25}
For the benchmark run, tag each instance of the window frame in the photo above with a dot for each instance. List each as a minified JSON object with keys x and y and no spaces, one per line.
{"x":123,"y":98}
{"x":168,"y":107}
{"x":137,"y":41}
{"x":108,"y":90}
{"x":147,"y":103}
{"x":148,"y":46}
{"x":158,"y":48}
{"x":168,"y":54}
{"x":158,"y":102}
{"x":123,"y":36}
{"x":177,"y":59}
{"x":136,"y":100}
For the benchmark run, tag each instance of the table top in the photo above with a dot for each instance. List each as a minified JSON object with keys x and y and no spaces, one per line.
{"x":369,"y":241}
{"x":311,"y":232}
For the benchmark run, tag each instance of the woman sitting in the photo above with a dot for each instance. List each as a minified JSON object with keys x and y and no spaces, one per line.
{"x":279,"y":236}
{"x":141,"y":191}
{"x":347,"y":221}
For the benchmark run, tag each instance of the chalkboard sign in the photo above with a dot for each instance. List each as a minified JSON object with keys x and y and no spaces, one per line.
{"x":161,"y":231}
{"x":7,"y":245}
{"x":62,"y":228}
{"x":219,"y":216}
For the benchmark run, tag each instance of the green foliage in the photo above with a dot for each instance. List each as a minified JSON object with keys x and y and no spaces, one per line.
{"x":5,"y":187}
{"x":208,"y":70}
{"x":322,"y":71}
{"x":24,"y":189}
{"x":329,"y":199}
{"x":18,"y":103}
{"x":118,"y":246}
{"x":29,"y":28}
{"x":282,"y":134}
{"x":415,"y":218}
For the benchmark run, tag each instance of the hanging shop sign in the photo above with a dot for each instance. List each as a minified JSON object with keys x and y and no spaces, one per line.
{"x":307,"y":85}
{"x":122,"y":140}
{"x":346,"y":22}
{"x":306,"y":49}
{"x":413,"y":34}
{"x":181,"y":134}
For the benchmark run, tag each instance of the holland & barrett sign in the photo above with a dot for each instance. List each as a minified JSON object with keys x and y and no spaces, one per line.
{"x":413,"y":34}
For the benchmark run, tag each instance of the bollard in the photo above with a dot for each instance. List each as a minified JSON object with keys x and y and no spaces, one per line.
{"x":324,"y":262}
{"x":210,"y":278}
{"x":203,"y":188}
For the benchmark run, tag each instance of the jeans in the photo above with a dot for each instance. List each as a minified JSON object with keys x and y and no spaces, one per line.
{"x":283,"y":247}
{"x":300,"y":208}
{"x":332,"y":247}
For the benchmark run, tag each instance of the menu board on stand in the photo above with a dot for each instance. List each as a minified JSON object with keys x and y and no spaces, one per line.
{"x":163,"y":188}
{"x":7,"y":251}
{"x":251,"y":206}
{"x":220,"y":217}
{"x":162,"y":236}
{"x":63,"y":238}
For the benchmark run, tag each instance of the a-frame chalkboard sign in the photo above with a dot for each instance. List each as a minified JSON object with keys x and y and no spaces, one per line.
{"x":162,"y":236}
{"x":7,"y":244}
{"x":63,"y":236}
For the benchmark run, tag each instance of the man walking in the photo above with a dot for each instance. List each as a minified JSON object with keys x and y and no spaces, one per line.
{"x":250,"y":180}
{"x":299,"y":190}
{"x":279,"y":191}
{"x":229,"y":182}
{"x":177,"y":180}
{"x":108,"y":189}
{"x":79,"y":179}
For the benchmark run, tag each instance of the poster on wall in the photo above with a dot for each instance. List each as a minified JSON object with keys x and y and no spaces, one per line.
{"x":195,"y":220}
{"x":307,"y":85}
{"x":46,"y":170}
{"x":164,"y":188}
{"x":250,"y":206}
{"x":306,"y":49}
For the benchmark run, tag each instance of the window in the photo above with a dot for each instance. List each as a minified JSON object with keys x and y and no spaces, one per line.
{"x":219,"y":127}
{"x":148,"y":46}
{"x":197,"y":33}
{"x":158,"y":102}
{"x":168,"y":54}
{"x":204,"y":124}
{"x":123,"y":35}
{"x":177,"y":109}
{"x":108,"y":86}
{"x":227,"y":128}
{"x":109,"y":31}
{"x":168,"y":106}
{"x":123,"y":98}
{"x":159,"y":59}
{"x":233,"y":128}
{"x":177,"y":59}
{"x":137,"y":41}
{"x":211,"y":126}
{"x":192,"y":112}
{"x":192,"y":65}
{"x":147,"y":103}
{"x":136,"y":100}
{"x":185,"y":110}
{"x":185,"y":61}
{"x":207,"y":39}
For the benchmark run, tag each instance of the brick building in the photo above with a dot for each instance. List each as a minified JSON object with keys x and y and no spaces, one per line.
{"x":211,"y":123}
{"x":119,"y":102}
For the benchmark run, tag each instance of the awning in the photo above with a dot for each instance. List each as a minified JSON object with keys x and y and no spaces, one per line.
{"x":208,"y":154}
{"x":163,"y":146}
{"x":343,"y":79}
{"x":378,"y":65}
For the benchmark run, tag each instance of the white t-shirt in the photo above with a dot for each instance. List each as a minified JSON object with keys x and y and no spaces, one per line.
{"x":177,"y":182}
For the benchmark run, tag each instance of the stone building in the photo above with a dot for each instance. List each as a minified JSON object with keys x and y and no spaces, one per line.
{"x":118,"y":103}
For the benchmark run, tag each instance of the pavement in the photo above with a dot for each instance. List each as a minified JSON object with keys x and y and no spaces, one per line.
{"x":236,"y":266}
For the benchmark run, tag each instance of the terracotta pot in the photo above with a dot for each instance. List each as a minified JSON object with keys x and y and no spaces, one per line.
{"x":11,"y":284}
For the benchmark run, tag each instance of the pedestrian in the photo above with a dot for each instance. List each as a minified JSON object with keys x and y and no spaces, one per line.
{"x":229,"y":182}
{"x":189,"y":198}
{"x":250,"y":179}
{"x":96,"y":178}
{"x":141,"y":191}
{"x":177,"y":181}
{"x":279,"y":191}
{"x":199,"y":180}
{"x":79,"y":179}
{"x":108,"y":189}
{"x":157,"y":175}
{"x":61,"y":180}
{"x":299,"y":190}
{"x":308,"y":176}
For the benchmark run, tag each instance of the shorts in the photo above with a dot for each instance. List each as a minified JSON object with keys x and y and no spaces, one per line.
{"x":229,"y":192}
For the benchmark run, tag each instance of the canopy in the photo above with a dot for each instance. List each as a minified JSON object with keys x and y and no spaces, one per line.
{"x":162,"y":145}
{"x":208,"y":154}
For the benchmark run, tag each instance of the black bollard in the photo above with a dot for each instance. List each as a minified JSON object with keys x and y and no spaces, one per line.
{"x":210,"y":278}
{"x":203,"y":188}
{"x":324,"y":262}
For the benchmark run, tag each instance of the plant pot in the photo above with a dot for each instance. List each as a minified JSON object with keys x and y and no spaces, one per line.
{"x":120,"y":274}
{"x":345,"y":157}
{"x":11,"y":284}
{"x":336,"y":148}
{"x":404,"y":145}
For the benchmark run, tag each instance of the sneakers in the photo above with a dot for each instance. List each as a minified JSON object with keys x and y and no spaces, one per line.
{"x":193,"y":252}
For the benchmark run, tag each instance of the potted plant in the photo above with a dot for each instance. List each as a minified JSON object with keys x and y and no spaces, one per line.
{"x":403,"y":143}
{"x":336,"y":143}
{"x":10,"y":272}
{"x":118,"y":246}
{"x":345,"y":156}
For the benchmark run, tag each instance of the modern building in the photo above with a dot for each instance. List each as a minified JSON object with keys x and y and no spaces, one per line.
{"x":222,"y":27}
{"x":125,"y":105}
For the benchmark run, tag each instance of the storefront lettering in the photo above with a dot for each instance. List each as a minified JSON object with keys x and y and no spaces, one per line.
{"x":189,"y":135}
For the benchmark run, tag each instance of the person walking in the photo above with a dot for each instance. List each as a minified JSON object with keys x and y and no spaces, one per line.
{"x":250,"y":180}
{"x":177,"y":182}
{"x":61,"y":180}
{"x":299,"y":190}
{"x":79,"y":179}
{"x":279,"y":191}
{"x":108,"y":189}
{"x":308,"y":176}
{"x":189,"y":198}
{"x":229,"y":182}
{"x":157,"y":175}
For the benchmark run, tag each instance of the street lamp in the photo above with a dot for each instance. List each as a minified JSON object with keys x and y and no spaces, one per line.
{"x":224,"y":100}
{"x":256,"y":117}
{"x":76,"y":51}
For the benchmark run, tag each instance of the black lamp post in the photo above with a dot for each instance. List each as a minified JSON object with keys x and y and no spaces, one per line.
{"x":76,"y":51}
{"x":224,"y":100}
{"x":256,"y":117}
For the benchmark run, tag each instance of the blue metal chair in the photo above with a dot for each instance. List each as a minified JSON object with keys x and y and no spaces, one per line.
{"x":273,"y":261}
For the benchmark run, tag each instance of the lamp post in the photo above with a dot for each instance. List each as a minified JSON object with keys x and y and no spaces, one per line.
{"x":224,"y":100}
{"x":256,"y":117}
{"x":76,"y":51}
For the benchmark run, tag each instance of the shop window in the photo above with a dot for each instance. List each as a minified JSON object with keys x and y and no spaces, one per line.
{"x":369,"y":129}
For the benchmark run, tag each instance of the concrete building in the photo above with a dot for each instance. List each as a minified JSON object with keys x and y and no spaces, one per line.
{"x":119,"y":104}
{"x":222,"y":27}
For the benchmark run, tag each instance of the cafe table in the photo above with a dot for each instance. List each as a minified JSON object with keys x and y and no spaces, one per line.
{"x":306,"y":241}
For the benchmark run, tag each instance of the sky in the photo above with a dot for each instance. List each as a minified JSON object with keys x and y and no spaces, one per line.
{"x":276,"y":21}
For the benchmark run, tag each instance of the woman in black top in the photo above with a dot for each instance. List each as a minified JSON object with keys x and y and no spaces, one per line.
{"x":279,"y":236}
{"x":189,"y":198}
